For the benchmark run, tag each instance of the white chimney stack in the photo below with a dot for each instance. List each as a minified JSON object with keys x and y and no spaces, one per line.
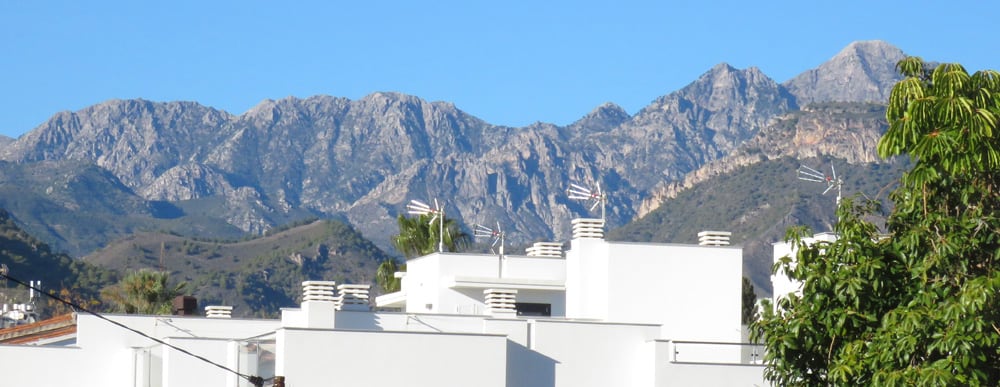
{"x":714,"y":238}
{"x":218,"y":311}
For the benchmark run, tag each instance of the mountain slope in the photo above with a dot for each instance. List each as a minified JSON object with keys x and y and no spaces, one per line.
{"x":29,"y":259}
{"x":257,"y":276}
{"x":78,"y":207}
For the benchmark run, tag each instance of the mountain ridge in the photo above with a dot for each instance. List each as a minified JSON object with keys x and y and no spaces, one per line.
{"x":363,"y":159}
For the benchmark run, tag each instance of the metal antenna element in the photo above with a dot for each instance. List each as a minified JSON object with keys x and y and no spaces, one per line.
{"x":587,"y":194}
{"x":416,"y":207}
{"x":497,"y":234}
{"x":831,"y":181}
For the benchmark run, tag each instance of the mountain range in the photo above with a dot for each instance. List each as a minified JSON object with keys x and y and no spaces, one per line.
{"x":84,"y":179}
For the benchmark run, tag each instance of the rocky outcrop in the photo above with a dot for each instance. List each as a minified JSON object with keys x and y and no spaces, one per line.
{"x":847,"y":131}
{"x":864,"y":71}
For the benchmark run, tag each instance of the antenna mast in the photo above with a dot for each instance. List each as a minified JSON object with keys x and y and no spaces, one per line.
{"x":831,"y":181}
{"x":416,"y":207}
{"x":587,"y":194}
{"x":497,"y":234}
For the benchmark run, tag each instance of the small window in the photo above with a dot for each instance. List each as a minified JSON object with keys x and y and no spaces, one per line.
{"x":533,"y":309}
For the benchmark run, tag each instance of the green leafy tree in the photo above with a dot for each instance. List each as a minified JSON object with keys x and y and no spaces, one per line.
{"x":385,"y":276}
{"x":749,"y":302}
{"x":922,"y":305}
{"x":419,"y":236}
{"x":143,"y":292}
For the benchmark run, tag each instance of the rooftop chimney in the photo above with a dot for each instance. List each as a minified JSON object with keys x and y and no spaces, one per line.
{"x":319,"y":291}
{"x":218,"y":311}
{"x":500,"y":302}
{"x":353,"y":297}
{"x":545,"y":249}
{"x":184,"y":306}
{"x":714,"y":238}
{"x":588,"y":228}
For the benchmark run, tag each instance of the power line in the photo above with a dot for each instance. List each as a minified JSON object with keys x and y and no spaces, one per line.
{"x":255,"y":380}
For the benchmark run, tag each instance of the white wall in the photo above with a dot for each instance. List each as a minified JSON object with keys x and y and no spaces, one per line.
{"x":104,"y":354}
{"x":183,"y":370}
{"x":545,"y":268}
{"x":33,"y":366}
{"x":781,"y":285}
{"x":670,"y":373}
{"x":694,"y":291}
{"x":429,"y":279}
{"x":593,"y":354}
{"x":358,"y":358}
{"x":587,"y":279}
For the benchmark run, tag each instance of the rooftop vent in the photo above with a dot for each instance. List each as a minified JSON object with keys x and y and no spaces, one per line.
{"x":588,"y":228}
{"x":323,"y":291}
{"x":714,"y":238}
{"x":352,"y":297}
{"x":217,"y":311}
{"x":545,"y":249}
{"x":501,"y":302}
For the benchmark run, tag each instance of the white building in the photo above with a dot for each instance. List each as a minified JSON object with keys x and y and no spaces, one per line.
{"x":599,"y":314}
{"x":781,"y":285}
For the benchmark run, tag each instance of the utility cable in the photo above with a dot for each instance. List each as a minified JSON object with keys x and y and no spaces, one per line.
{"x":257,"y":381}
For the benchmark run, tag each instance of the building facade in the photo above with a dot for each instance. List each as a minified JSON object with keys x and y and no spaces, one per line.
{"x":599,"y":313}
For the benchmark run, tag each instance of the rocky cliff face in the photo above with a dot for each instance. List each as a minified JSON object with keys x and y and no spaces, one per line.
{"x":364,"y":159}
{"x":849,"y":131}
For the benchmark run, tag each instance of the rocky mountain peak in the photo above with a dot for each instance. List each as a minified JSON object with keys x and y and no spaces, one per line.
{"x":603,"y":118}
{"x":723,"y":84}
{"x":864,"y":71}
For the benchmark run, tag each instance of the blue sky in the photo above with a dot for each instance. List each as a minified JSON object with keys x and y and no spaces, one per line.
{"x":508,"y":62}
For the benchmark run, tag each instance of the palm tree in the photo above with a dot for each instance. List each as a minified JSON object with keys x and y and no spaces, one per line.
{"x":385,"y":276}
{"x":418,"y":236}
{"x":143,"y":292}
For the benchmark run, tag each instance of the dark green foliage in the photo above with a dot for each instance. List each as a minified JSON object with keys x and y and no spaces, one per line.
{"x":385,"y":277}
{"x":418,"y":236}
{"x":143,"y":292}
{"x":749,"y":302}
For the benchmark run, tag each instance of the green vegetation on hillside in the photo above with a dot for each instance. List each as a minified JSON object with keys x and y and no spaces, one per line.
{"x":28,"y":259}
{"x":257,"y":276}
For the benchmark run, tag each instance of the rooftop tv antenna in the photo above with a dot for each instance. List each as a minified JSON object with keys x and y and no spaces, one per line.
{"x":831,"y":180}
{"x":594,"y":196}
{"x":497,"y":234}
{"x":416,"y":207}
